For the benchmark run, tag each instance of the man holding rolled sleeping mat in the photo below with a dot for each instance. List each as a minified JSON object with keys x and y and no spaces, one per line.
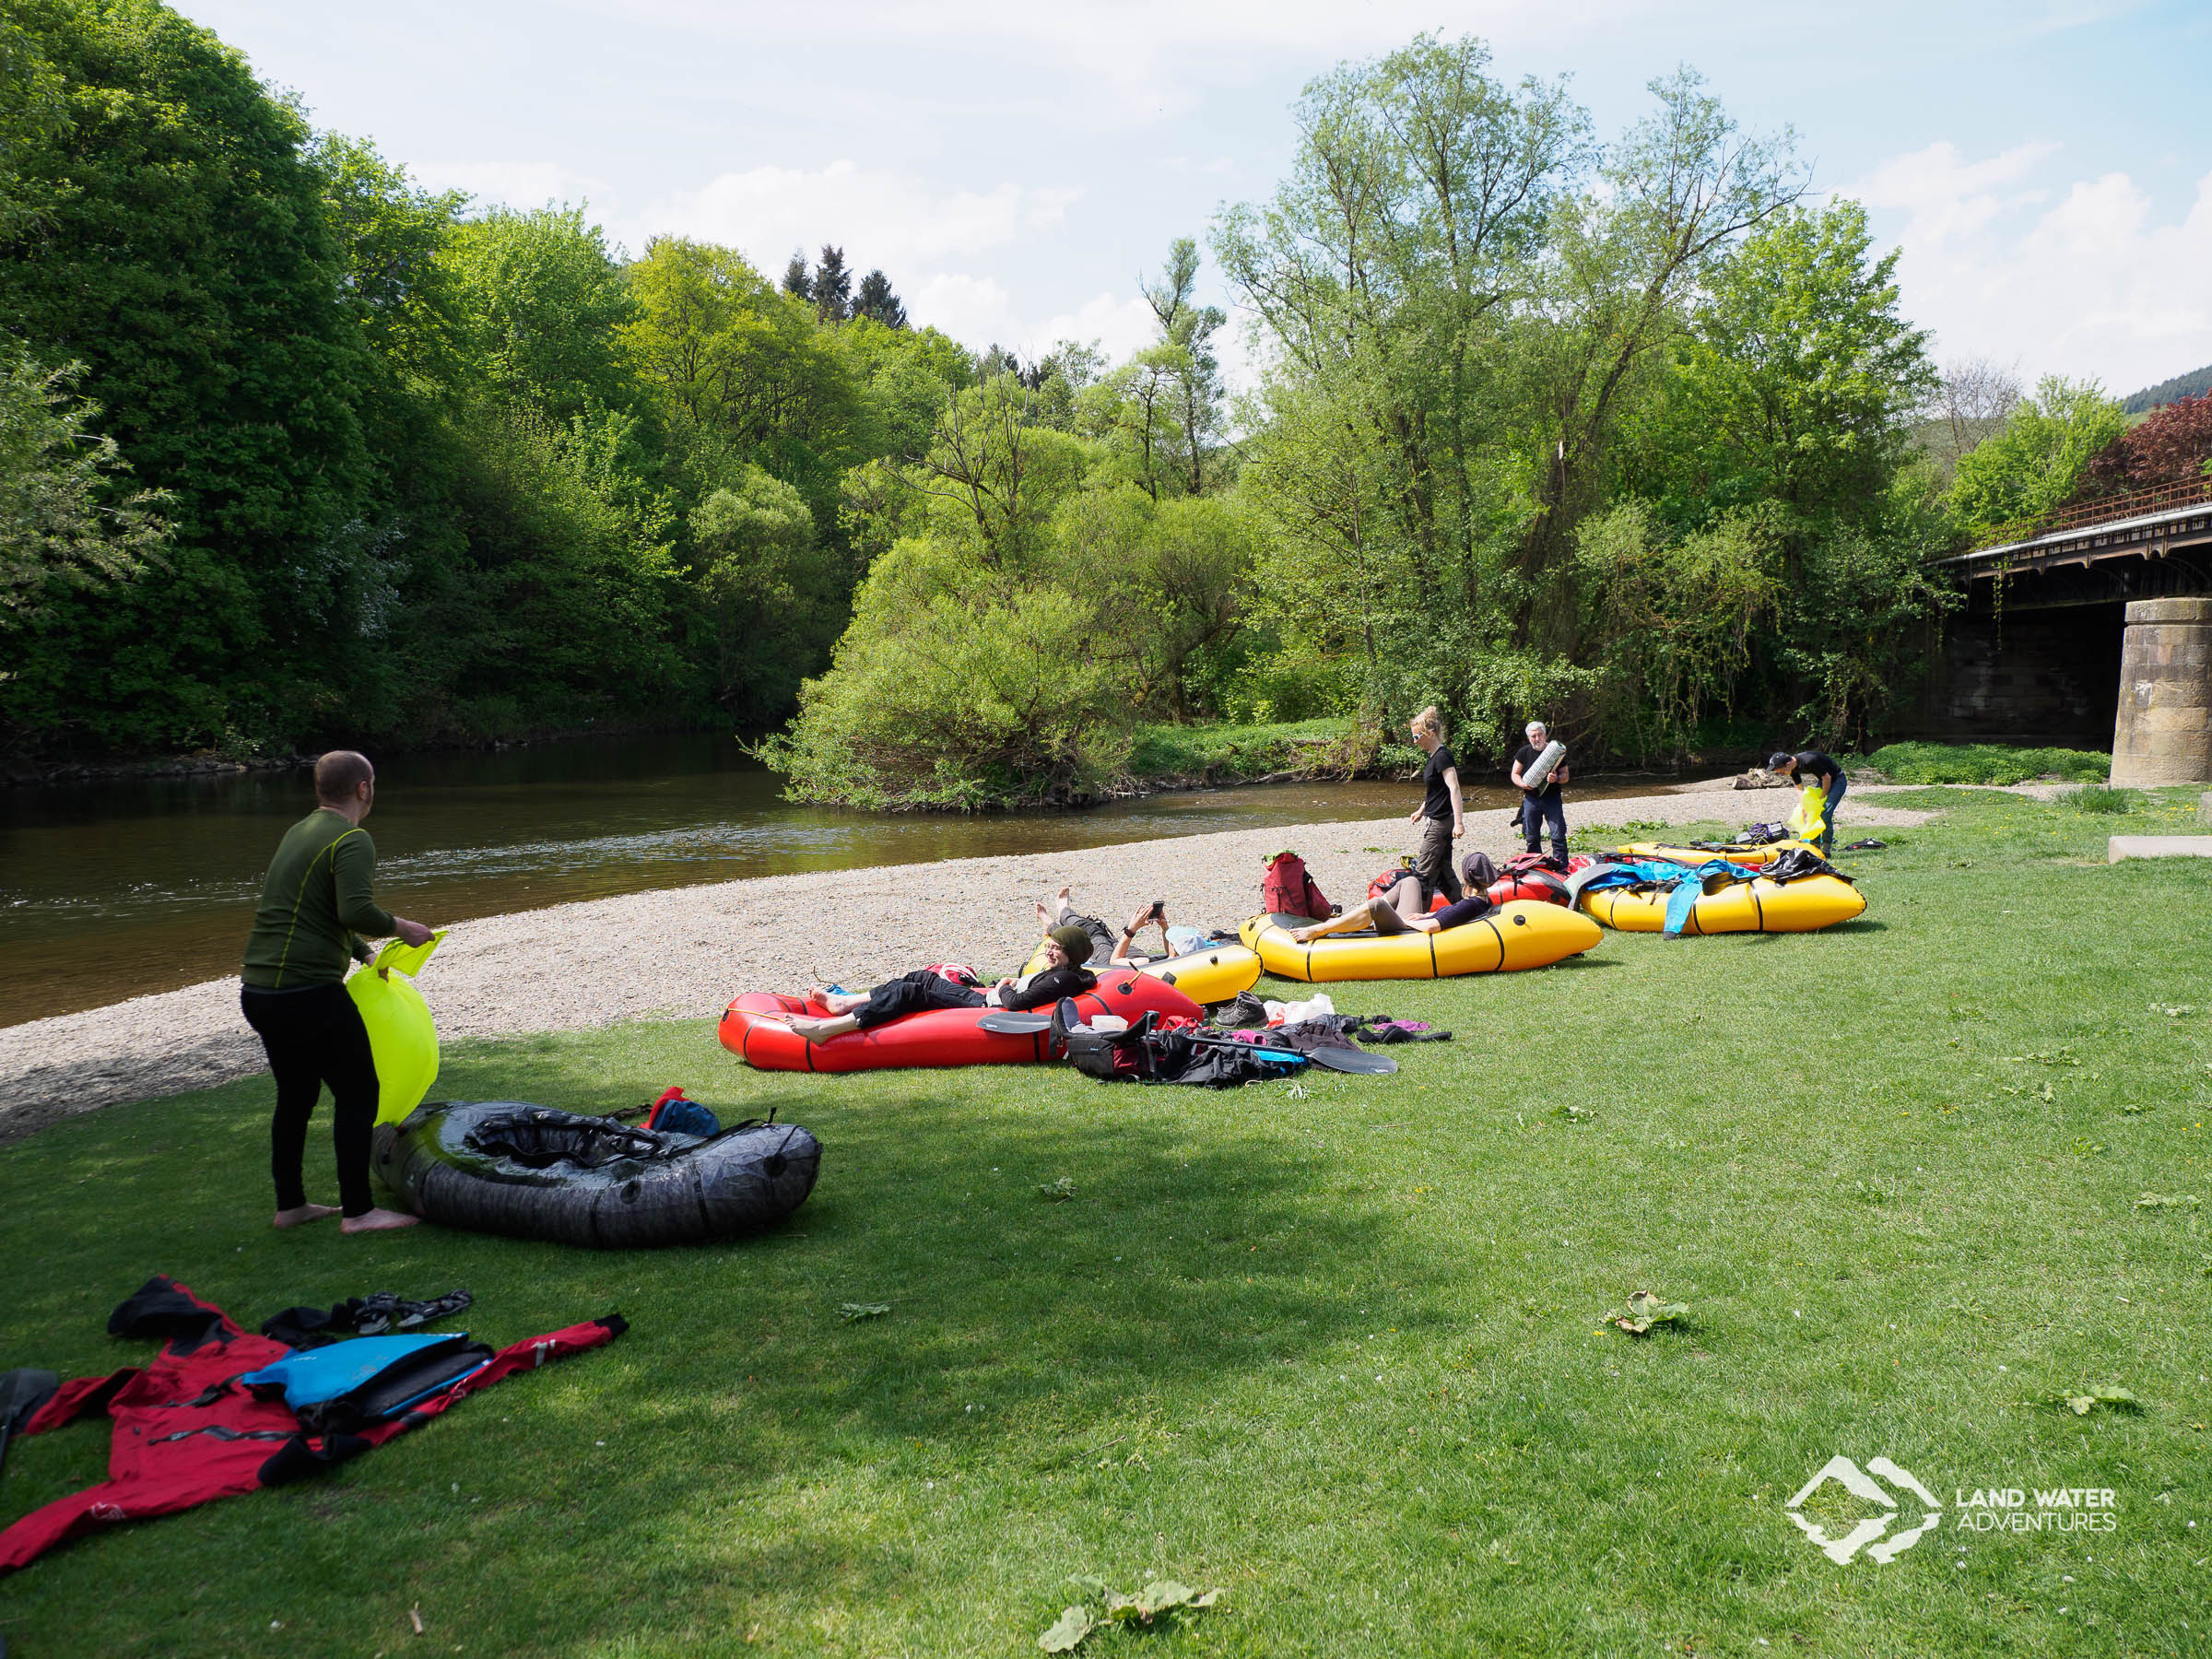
{"x":1538,"y":771}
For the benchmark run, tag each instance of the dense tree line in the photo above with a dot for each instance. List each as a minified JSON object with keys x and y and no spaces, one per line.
{"x":293,"y":450}
{"x":1620,"y":433}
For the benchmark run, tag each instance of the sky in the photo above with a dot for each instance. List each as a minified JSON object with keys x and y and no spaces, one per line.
{"x":1017,"y":166}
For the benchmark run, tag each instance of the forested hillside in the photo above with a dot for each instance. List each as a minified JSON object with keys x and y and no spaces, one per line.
{"x":374,"y":463}
{"x":2197,"y":382}
{"x":1617,"y":429}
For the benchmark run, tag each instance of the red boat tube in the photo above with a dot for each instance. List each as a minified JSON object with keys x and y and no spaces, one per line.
{"x":753,"y":1029}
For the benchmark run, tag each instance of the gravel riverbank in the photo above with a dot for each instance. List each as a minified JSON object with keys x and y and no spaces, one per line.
{"x":683,"y":953}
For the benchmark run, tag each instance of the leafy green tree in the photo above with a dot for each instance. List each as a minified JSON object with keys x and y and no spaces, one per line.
{"x":1797,"y":379}
{"x":164,"y":227}
{"x":954,"y":690}
{"x":908,"y":373}
{"x":773,"y":601}
{"x":565,"y":616}
{"x":67,"y":517}
{"x":1172,"y":585}
{"x":1674,"y":619}
{"x":1187,"y":330}
{"x":991,"y":478}
{"x":2035,"y":462}
{"x":544,"y":305}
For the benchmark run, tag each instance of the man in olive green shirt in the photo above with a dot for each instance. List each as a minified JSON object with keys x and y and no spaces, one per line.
{"x":308,"y":929}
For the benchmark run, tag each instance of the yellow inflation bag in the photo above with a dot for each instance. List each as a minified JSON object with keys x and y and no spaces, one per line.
{"x":1524,"y":933}
{"x":401,"y":1036}
{"x":1811,"y":816}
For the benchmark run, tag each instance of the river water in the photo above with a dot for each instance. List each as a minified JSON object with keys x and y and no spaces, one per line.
{"x":109,"y":891}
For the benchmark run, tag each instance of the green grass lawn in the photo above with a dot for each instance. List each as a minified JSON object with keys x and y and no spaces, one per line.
{"x":1340,"y":1356}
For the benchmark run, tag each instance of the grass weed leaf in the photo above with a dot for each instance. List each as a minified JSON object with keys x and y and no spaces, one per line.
{"x":1159,"y":1596}
{"x":2109,"y":1394}
{"x":1647,"y":1310}
{"x":2155,"y":1201}
{"x":1067,"y":1631}
{"x":855,"y":1311}
{"x":1059,"y":1191}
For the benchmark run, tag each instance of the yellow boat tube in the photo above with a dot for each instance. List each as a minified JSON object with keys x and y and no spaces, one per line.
{"x":1524,"y":933}
{"x":1756,"y":857}
{"x":1755,"y":906}
{"x":1212,"y":975}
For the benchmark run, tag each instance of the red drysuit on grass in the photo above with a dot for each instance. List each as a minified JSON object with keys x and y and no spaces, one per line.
{"x":187,"y":1433}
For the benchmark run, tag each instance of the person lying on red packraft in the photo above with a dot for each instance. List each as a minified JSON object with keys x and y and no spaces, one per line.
{"x":1067,"y":948}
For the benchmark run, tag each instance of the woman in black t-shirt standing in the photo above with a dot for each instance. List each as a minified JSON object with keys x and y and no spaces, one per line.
{"x":1441,"y":815}
{"x":1543,"y":804}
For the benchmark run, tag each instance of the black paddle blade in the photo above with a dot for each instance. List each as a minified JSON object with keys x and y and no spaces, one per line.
{"x":1011,"y":1022}
{"x":1352,"y":1059}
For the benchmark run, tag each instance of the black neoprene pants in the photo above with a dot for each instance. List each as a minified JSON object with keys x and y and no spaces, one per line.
{"x":313,"y":1037}
{"x":911,"y":994}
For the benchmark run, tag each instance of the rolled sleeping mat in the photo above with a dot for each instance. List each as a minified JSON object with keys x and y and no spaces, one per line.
{"x":1537,"y":776}
{"x":534,"y":1172}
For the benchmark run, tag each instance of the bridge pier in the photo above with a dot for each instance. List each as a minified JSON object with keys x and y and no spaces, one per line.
{"x":2163,"y":733}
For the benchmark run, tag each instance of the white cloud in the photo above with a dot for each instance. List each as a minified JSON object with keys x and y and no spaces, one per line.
{"x":879,"y":217}
{"x":1132,"y":62}
{"x":976,"y":311}
{"x":517,"y":183}
{"x":2090,"y":284}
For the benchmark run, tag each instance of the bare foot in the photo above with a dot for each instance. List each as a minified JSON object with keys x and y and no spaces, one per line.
{"x":300,"y":1215}
{"x":1304,"y":935}
{"x":379,"y":1220}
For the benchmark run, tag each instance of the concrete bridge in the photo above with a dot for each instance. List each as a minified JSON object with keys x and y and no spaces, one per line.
{"x":2095,"y":629}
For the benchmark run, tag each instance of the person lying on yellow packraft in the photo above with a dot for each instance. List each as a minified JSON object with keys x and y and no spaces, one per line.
{"x":1120,"y":952}
{"x":1399,"y":911}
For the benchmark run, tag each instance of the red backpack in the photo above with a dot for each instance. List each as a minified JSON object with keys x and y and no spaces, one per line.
{"x":1287,"y":891}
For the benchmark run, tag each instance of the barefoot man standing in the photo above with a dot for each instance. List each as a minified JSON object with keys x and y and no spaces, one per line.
{"x":314,"y":910}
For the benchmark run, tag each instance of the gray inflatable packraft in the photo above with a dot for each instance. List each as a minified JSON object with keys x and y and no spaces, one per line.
{"x":534,"y":1172}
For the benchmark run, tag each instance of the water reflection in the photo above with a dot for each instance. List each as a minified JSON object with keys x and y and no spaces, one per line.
{"x":111,"y":890}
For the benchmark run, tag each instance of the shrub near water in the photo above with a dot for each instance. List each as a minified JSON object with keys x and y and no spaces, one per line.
{"x":1985,"y":763}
